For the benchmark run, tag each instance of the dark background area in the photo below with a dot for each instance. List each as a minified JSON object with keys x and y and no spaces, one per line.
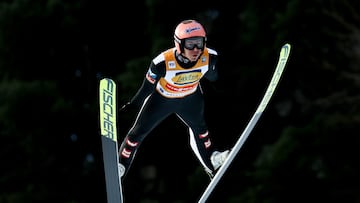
{"x":304,"y":148}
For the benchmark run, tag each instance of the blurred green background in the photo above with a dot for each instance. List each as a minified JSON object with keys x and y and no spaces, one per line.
{"x":304,"y":148}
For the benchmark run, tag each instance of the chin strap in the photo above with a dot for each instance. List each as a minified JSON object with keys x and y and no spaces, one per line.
{"x":182,"y":58}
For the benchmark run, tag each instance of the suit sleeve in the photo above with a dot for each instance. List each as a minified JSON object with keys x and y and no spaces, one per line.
{"x":212,"y":84}
{"x":212,"y":73}
{"x":148,"y":85}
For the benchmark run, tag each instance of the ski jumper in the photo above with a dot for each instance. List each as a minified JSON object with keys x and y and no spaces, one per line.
{"x":172,"y":86}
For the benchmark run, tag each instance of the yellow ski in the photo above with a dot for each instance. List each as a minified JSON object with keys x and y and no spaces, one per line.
{"x":108,"y":112}
{"x":284,"y":54}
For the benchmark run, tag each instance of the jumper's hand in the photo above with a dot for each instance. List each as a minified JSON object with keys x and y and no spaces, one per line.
{"x":125,"y":107}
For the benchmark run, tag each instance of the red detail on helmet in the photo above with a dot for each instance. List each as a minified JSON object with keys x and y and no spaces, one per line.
{"x":187,"y":29}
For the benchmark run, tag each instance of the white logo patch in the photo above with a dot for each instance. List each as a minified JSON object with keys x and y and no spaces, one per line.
{"x":171,"y":64}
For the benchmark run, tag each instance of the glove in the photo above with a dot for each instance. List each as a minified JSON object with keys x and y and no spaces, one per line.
{"x":126,"y":107}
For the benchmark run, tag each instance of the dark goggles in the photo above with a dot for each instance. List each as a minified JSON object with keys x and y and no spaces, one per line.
{"x":191,"y":43}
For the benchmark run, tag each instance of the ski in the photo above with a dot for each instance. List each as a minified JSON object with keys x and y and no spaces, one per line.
{"x":284,"y":54}
{"x":108,"y":109}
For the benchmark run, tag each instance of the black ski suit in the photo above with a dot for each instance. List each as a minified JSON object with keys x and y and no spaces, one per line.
{"x":172,"y":86}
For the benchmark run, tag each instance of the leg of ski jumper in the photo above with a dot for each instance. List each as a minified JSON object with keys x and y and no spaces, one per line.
{"x":191,"y":112}
{"x":127,"y":152}
{"x":284,"y":54}
{"x":202,"y":147}
{"x":154,"y":110}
